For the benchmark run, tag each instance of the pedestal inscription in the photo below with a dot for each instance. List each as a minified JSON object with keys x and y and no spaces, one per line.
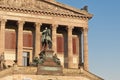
{"x":49,"y":66}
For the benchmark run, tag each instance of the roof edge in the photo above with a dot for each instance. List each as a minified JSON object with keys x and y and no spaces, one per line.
{"x":92,"y":75}
{"x":70,"y":8}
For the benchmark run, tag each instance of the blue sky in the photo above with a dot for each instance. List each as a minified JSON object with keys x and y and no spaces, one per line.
{"x":104,"y":36}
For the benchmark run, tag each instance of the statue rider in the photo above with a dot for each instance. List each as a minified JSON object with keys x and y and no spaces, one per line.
{"x":46,"y":39}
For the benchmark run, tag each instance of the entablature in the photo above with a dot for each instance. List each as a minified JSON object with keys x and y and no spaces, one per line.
{"x":43,"y":19}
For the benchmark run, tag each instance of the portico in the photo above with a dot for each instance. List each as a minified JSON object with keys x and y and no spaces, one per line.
{"x":22,"y":23}
{"x":34,"y":46}
{"x":69,"y":29}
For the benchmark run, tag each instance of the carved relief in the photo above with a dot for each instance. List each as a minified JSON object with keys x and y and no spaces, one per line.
{"x":52,"y":8}
{"x":17,"y":3}
{"x":36,"y":5}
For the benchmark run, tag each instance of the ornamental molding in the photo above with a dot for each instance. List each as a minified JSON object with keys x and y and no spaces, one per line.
{"x":44,"y":7}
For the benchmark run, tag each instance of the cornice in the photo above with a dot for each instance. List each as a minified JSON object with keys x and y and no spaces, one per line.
{"x":79,"y":11}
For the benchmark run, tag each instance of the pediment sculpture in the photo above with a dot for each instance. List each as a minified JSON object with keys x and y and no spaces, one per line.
{"x":39,"y":5}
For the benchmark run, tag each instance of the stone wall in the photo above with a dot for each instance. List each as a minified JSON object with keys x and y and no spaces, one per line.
{"x":42,"y":77}
{"x":18,"y":70}
{"x":25,"y":70}
{"x":29,"y":73}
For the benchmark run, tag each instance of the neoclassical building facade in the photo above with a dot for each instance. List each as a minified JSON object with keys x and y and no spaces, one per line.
{"x":21,"y":24}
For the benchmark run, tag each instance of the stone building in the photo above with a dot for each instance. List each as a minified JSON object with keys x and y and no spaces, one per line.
{"x":21,"y":24}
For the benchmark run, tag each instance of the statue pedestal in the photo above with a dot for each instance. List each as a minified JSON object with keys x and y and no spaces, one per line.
{"x":49,"y":67}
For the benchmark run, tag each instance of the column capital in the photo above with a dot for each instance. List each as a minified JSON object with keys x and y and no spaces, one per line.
{"x":2,"y":23}
{"x":21,"y":22}
{"x":70,"y":27}
{"x":3,"y":20}
{"x":38,"y":23}
{"x":54,"y":26}
{"x":85,"y":29}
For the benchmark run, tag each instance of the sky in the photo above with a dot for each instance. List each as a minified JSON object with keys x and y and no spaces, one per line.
{"x":104,"y":36}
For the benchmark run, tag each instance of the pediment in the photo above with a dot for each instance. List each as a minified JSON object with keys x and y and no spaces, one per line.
{"x":50,"y":6}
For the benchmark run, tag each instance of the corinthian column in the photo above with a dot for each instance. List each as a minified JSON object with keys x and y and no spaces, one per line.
{"x":70,"y":47}
{"x":54,"y":39}
{"x":2,"y":35}
{"x":85,"y":48}
{"x":37,"y":39}
{"x":20,"y":43}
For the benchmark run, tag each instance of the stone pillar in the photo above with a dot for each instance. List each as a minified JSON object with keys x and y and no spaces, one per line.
{"x":80,"y":49}
{"x":70,"y":47}
{"x":20,"y":43}
{"x":37,"y":39}
{"x":2,"y":35}
{"x":85,"y":48}
{"x":54,"y":37}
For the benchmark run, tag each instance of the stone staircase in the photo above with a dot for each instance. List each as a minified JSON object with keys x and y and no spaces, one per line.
{"x":9,"y":72}
{"x":6,"y":72}
{"x":29,"y":73}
